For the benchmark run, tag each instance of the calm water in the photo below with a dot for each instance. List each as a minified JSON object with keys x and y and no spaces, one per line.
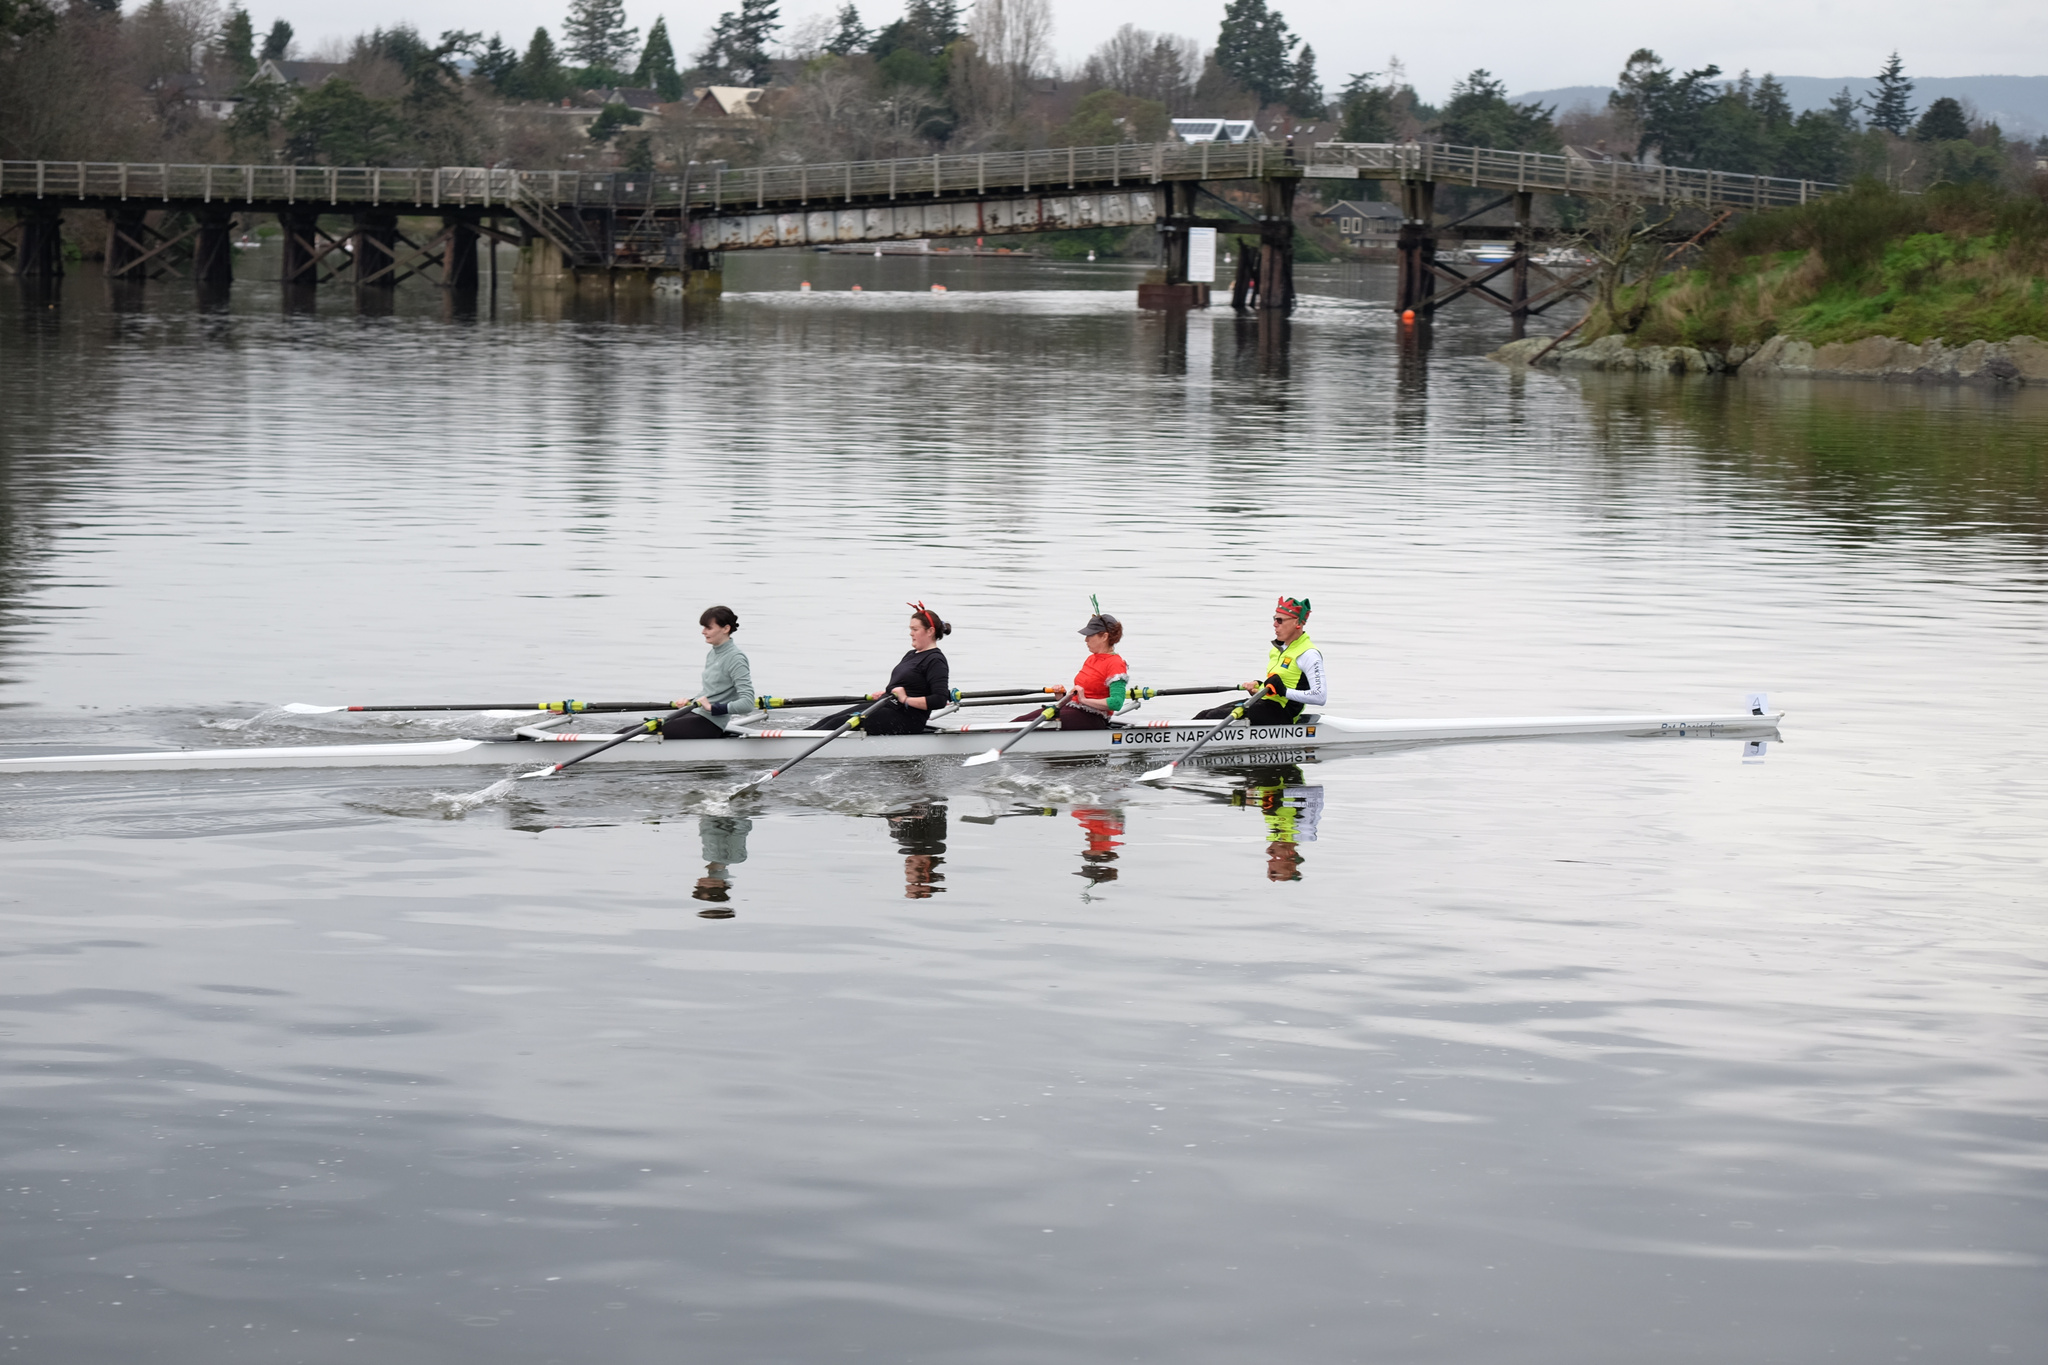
{"x":1612,"y":1051}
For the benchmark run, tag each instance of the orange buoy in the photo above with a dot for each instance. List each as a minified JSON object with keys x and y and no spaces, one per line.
{"x":856,"y":289}
{"x":938,"y":289}
{"x":805,"y":286}
{"x":1407,"y":314}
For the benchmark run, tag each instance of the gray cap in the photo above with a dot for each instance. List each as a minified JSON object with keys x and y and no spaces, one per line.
{"x":1099,"y":623}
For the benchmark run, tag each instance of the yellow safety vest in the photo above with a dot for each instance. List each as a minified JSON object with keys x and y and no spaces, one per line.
{"x":1285,"y":661}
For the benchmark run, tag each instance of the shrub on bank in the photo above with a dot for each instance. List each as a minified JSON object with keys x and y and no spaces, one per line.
{"x":1959,"y":262}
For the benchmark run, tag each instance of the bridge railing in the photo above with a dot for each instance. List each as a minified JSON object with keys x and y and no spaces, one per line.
{"x":1549,"y":173}
{"x":939,"y":176}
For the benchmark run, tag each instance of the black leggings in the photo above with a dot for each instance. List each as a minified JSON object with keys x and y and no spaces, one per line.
{"x":1074,"y":717}
{"x":893,"y":719}
{"x":695,"y":725}
{"x":1266,"y":712}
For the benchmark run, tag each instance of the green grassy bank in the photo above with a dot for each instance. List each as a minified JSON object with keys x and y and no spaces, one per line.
{"x":1960,"y":263}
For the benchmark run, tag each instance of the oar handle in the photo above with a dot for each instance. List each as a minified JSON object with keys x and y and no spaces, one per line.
{"x":555,"y":706}
{"x":1148,"y":693}
{"x":777,"y":703}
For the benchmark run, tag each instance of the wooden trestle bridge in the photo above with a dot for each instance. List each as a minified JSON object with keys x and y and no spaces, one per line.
{"x":597,"y":230}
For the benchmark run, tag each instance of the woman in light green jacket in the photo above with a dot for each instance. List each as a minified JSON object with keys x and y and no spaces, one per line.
{"x":728,"y":683}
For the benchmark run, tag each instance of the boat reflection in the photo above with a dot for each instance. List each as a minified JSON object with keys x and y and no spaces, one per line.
{"x":920,"y":832}
{"x":1292,"y":808}
{"x":724,"y":841}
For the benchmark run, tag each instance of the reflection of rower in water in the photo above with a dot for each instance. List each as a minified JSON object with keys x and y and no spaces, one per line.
{"x":921,"y":833}
{"x":724,"y":838}
{"x":1294,"y":673}
{"x":920,"y":685}
{"x":1292,"y":808}
{"x":1104,"y":829}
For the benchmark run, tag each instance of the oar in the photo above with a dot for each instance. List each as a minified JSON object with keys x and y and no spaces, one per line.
{"x":1237,"y":714}
{"x":650,"y":727}
{"x":777,"y":703}
{"x":992,"y":755}
{"x":852,"y":722}
{"x":300,"y":708}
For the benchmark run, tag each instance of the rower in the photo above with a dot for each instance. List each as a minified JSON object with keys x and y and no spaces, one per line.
{"x":728,"y":683}
{"x":920,"y":684}
{"x":1098,"y":689}
{"x":1294,"y":673}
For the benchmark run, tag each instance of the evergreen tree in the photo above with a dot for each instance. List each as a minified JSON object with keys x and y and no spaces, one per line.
{"x":1478,"y":115}
{"x":738,"y":46}
{"x":1670,"y":110}
{"x":1254,"y":48}
{"x":539,"y":75}
{"x":496,"y":64}
{"x":927,"y":28}
{"x":1842,"y":109}
{"x":1304,"y":93}
{"x":596,"y":37}
{"x":1943,"y":122}
{"x":1771,"y":105}
{"x":1366,"y":110}
{"x":853,"y":35}
{"x":657,"y":69}
{"x":1889,"y":105}
{"x":235,"y":46}
{"x":277,"y":42}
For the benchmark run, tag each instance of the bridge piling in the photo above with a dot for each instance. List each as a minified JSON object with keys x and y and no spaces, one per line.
{"x":458,"y":258}
{"x":39,"y":254}
{"x":376,"y":246}
{"x":1416,"y":282}
{"x":213,"y":252}
{"x":1276,"y":245}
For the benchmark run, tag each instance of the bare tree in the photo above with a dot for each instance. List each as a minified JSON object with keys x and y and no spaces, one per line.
{"x":1149,"y":66}
{"x":1007,"y":42}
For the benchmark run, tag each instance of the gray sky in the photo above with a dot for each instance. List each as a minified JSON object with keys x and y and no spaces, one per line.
{"x":1530,"y":47}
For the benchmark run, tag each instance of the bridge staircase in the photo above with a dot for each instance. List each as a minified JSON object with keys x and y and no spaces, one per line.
{"x":565,"y":229}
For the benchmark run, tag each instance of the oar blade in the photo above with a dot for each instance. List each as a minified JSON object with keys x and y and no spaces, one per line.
{"x":300,"y":708}
{"x":985,"y":756}
{"x":548,"y":771}
{"x":1159,"y":774}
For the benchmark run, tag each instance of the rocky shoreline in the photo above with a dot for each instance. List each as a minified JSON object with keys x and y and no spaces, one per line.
{"x":2019,"y":361}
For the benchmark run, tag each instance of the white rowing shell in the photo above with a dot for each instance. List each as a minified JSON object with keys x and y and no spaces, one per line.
{"x":1160,"y":739}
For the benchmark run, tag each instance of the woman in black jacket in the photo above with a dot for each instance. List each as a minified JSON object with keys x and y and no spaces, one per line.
{"x":920,"y":685}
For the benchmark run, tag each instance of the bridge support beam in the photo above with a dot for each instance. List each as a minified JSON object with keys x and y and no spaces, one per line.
{"x":1276,"y":246}
{"x":125,"y":251}
{"x":40,"y":252}
{"x":458,"y":256}
{"x":303,"y":248}
{"x":1416,"y":285}
{"x":376,"y":244}
{"x":213,"y":251}
{"x":1518,"y":293}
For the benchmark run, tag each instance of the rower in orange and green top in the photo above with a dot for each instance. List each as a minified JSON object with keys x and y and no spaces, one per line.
{"x":1294,"y":673}
{"x":1097,"y":692}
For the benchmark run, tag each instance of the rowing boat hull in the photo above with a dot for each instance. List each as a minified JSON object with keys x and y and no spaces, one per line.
{"x":766,"y":748}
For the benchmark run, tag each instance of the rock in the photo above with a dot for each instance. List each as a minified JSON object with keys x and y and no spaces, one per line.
{"x":2021,"y":360}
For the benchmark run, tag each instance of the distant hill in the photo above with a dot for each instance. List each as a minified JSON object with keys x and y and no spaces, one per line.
{"x":2018,"y":104}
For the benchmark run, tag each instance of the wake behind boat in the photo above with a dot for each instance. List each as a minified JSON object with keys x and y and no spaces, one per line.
{"x":1146,"y":740}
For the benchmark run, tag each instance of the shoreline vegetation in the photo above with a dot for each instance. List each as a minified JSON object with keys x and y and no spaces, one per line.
{"x":1950,"y":285}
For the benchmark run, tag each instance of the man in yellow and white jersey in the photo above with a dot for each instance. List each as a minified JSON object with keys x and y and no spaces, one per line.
{"x":1294,"y":672}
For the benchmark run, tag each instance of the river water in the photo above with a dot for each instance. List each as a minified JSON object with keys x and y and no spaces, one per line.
{"x":1600,"y":1051}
